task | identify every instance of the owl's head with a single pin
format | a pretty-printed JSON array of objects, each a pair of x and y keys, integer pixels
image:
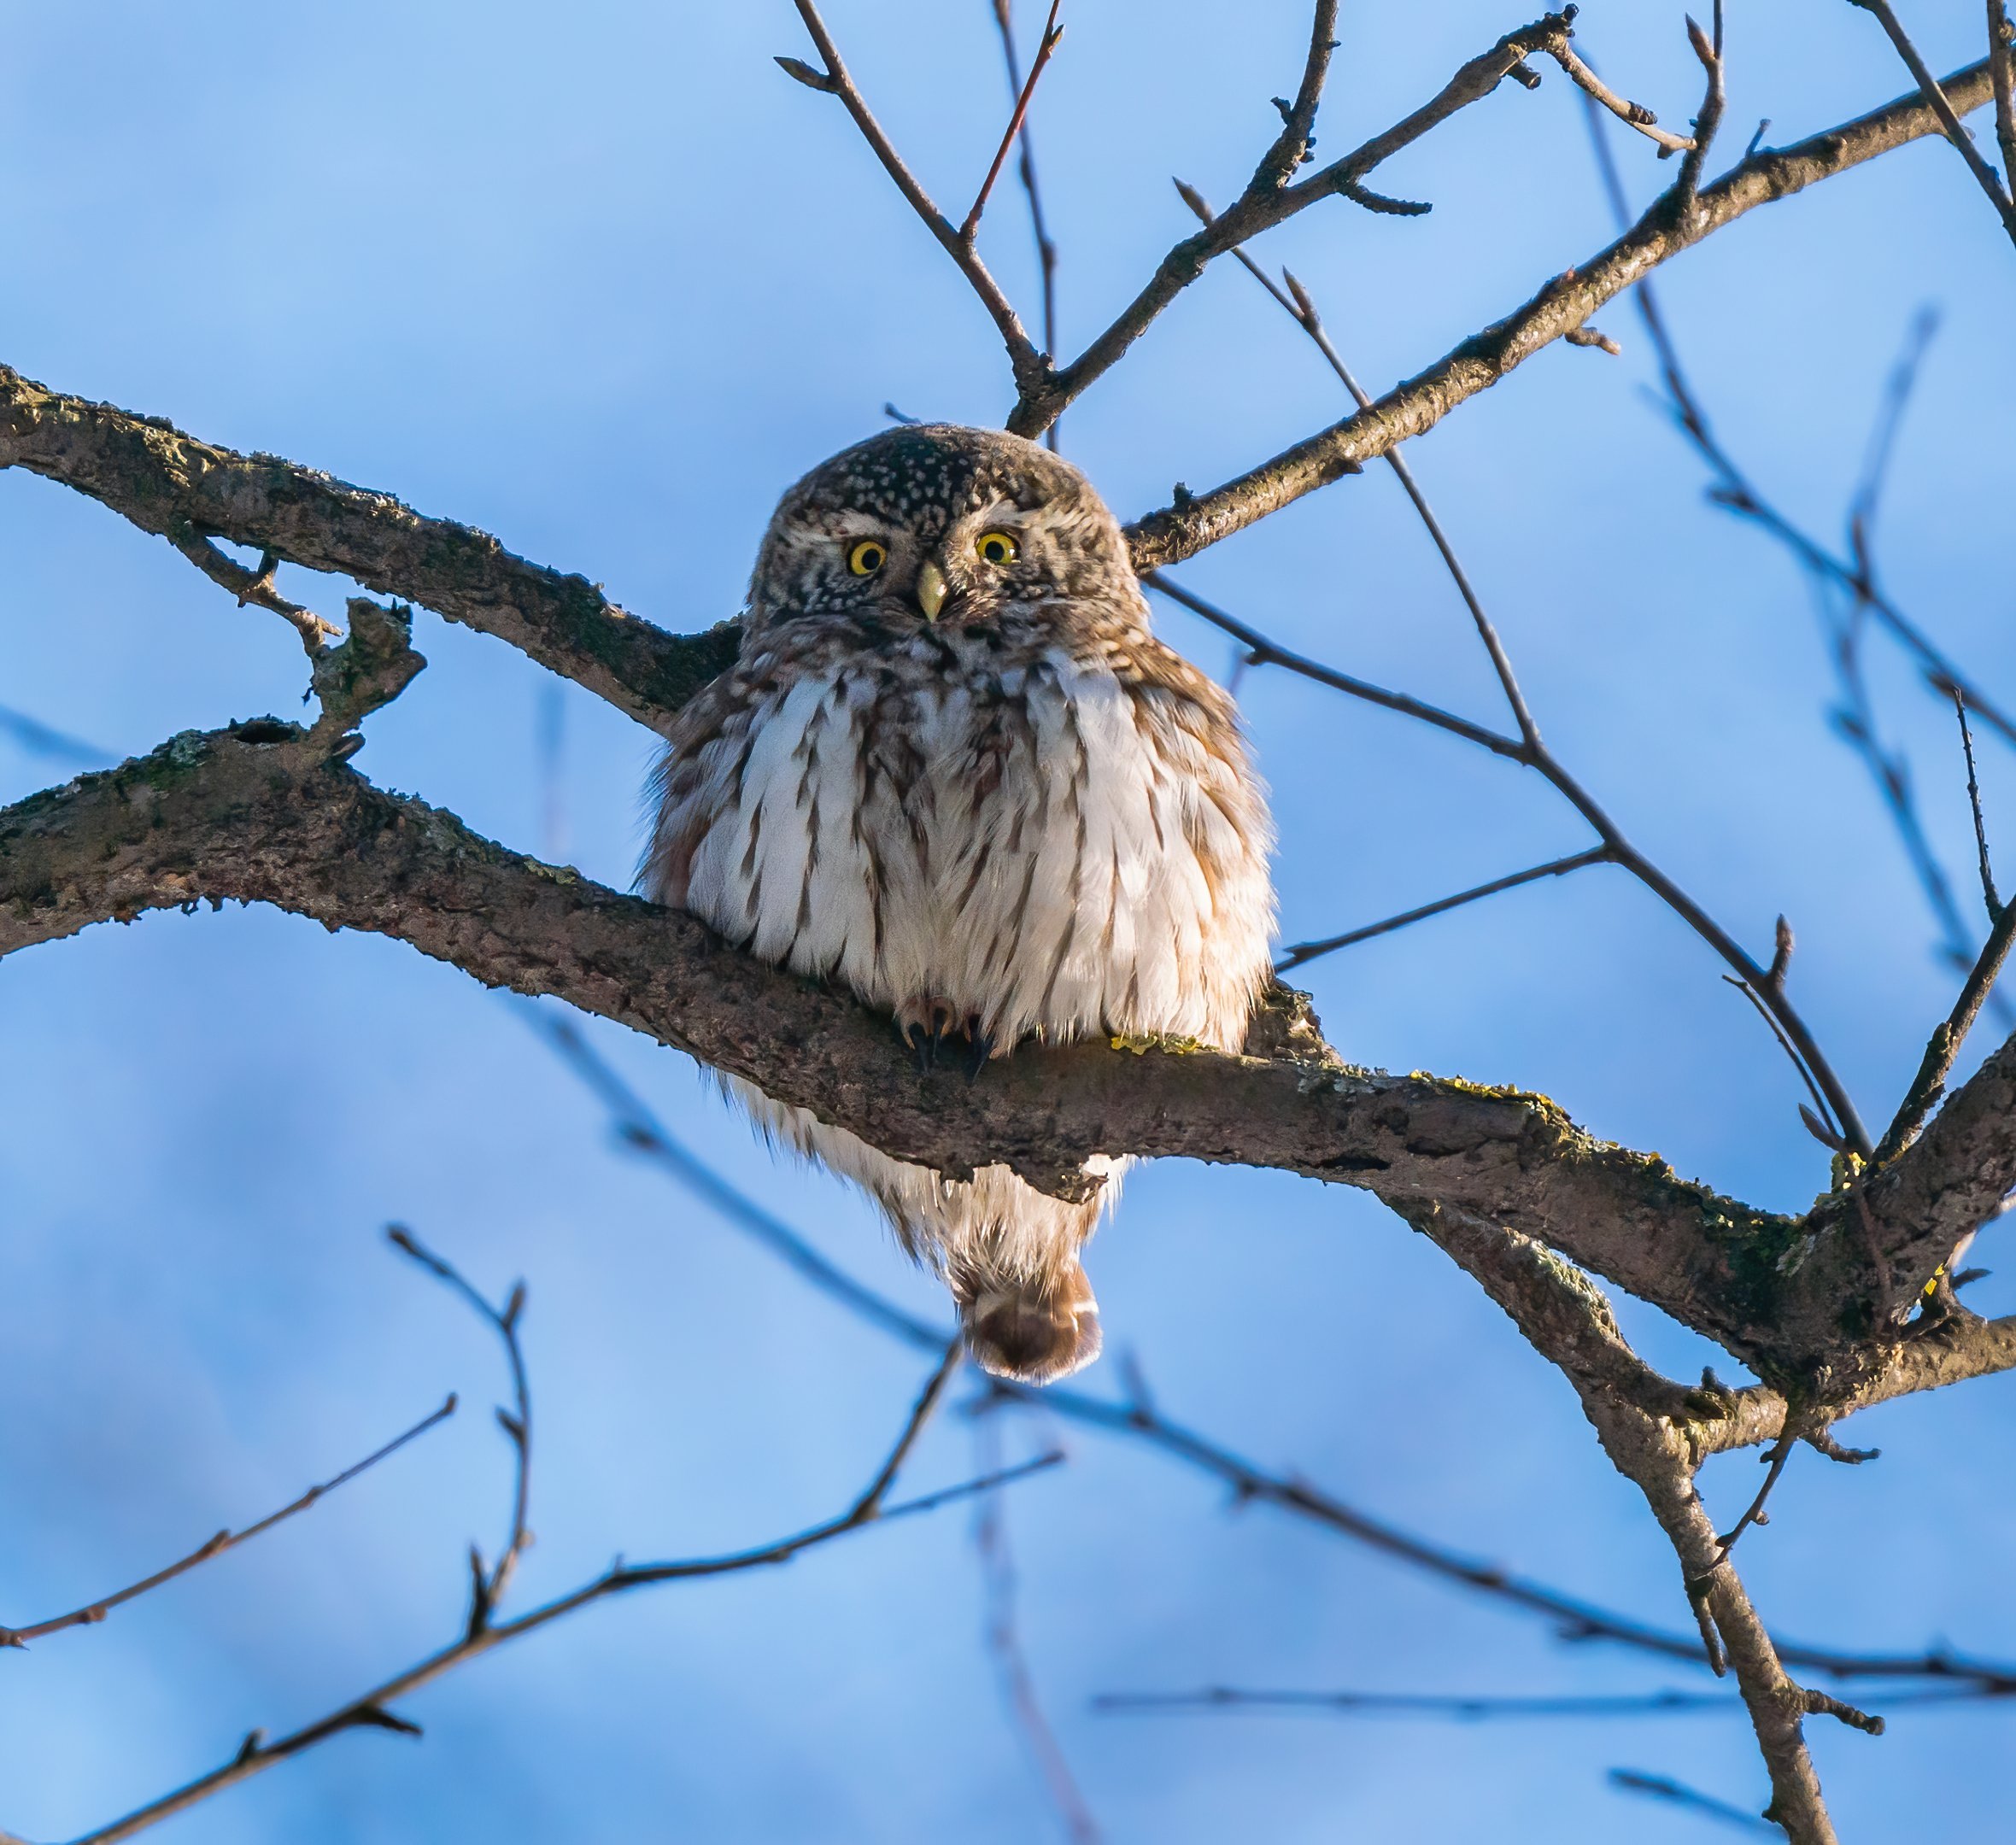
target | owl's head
[{"x": 932, "y": 526}]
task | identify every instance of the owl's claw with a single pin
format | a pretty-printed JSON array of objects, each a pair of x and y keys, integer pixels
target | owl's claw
[
  {"x": 983, "y": 1041},
  {"x": 921, "y": 1024}
]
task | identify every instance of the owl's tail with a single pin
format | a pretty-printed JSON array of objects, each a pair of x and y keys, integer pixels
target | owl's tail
[{"x": 1035, "y": 1329}]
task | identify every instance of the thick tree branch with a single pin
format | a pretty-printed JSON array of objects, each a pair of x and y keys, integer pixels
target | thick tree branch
[
  {"x": 261, "y": 812},
  {"x": 1959, "y": 1347},
  {"x": 1565, "y": 303},
  {"x": 1567, "y": 1321},
  {"x": 188, "y": 491}
]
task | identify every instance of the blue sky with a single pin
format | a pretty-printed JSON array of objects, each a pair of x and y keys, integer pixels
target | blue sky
[{"x": 602, "y": 281}]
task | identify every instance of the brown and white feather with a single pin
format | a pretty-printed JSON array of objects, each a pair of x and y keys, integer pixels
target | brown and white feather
[{"x": 1029, "y": 812}]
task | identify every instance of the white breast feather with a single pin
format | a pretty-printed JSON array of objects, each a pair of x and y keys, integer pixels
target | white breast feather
[{"x": 1112, "y": 879}]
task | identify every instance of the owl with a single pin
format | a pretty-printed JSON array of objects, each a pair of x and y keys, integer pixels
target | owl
[{"x": 953, "y": 772}]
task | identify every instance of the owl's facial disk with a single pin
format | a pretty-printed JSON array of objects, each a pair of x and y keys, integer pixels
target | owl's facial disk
[{"x": 936, "y": 527}]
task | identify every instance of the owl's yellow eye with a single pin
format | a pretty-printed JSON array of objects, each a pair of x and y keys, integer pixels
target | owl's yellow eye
[
  {"x": 997, "y": 547},
  {"x": 867, "y": 557}
]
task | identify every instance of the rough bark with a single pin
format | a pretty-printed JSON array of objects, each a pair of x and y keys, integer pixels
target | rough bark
[{"x": 265, "y": 812}]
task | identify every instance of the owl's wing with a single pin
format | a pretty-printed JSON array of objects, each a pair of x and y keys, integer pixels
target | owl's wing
[{"x": 696, "y": 777}]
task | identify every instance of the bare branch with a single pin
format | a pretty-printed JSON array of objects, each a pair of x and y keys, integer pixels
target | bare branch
[
  {"x": 1297, "y": 303},
  {"x": 1269, "y": 201},
  {"x": 1990, "y": 900},
  {"x": 259, "y": 813},
  {"x": 1709, "y": 51},
  {"x": 1678, "y": 1794},
  {"x": 1712, "y": 1419},
  {"x": 1052, "y": 37},
  {"x": 1949, "y": 122},
  {"x": 1567, "y": 301},
  {"x": 224, "y": 1540},
  {"x": 373, "y": 1709},
  {"x": 1303, "y": 952},
  {"x": 2000, "y": 60},
  {"x": 1262, "y": 652},
  {"x": 487, "y": 1587},
  {"x": 1026, "y": 168},
  {"x": 255, "y": 587},
  {"x": 1535, "y": 755},
  {"x": 1004, "y": 1641},
  {"x": 1291, "y": 146},
  {"x": 1461, "y": 1708},
  {"x": 1944, "y": 1048},
  {"x": 172, "y": 484},
  {"x": 1569, "y": 1323},
  {"x": 1632, "y": 114},
  {"x": 1030, "y": 366}
]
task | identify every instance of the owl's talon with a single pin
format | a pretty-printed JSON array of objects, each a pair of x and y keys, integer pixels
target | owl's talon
[
  {"x": 922, "y": 1025},
  {"x": 983, "y": 1048}
]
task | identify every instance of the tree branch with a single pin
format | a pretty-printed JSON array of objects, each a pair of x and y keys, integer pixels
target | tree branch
[
  {"x": 93, "y": 1612},
  {"x": 1567, "y": 1321},
  {"x": 188, "y": 491},
  {"x": 1715, "y": 1419},
  {"x": 258, "y": 812},
  {"x": 1269, "y": 201},
  {"x": 373, "y": 1709},
  {"x": 1029, "y": 365},
  {"x": 1567, "y": 302},
  {"x": 1997, "y": 189}
]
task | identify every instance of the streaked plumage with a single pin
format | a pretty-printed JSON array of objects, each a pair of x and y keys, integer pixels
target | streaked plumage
[{"x": 1018, "y": 816}]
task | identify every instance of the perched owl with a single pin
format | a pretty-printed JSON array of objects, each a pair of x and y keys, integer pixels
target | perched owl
[{"x": 952, "y": 771}]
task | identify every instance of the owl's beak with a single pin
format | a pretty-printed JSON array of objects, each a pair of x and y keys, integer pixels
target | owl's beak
[{"x": 931, "y": 588}]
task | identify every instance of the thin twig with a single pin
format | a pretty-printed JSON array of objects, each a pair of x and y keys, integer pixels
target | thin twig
[
  {"x": 373, "y": 1710},
  {"x": 1422, "y": 1704},
  {"x": 1774, "y": 1460},
  {"x": 224, "y": 1540},
  {"x": 1632, "y": 114},
  {"x": 2000, "y": 60},
  {"x": 1855, "y": 720},
  {"x": 1709, "y": 49},
  {"x": 1004, "y": 1643},
  {"x": 1944, "y": 1047},
  {"x": 1854, "y": 574},
  {"x": 1038, "y": 225},
  {"x": 1484, "y": 358},
  {"x": 1784, "y": 1043},
  {"x": 1985, "y": 176},
  {"x": 1297, "y": 303},
  {"x": 487, "y": 1587},
  {"x": 1262, "y": 652},
  {"x": 1052, "y": 37},
  {"x": 1678, "y": 1794},
  {"x": 1992, "y": 902},
  {"x": 1291, "y": 147},
  {"x": 1030, "y": 368},
  {"x": 1269, "y": 199},
  {"x": 1735, "y": 493},
  {"x": 1621, "y": 851},
  {"x": 39, "y": 739},
  {"x": 1303, "y": 952}
]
